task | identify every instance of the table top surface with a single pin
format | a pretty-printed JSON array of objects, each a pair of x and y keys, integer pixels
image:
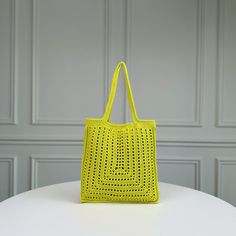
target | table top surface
[{"x": 56, "y": 210}]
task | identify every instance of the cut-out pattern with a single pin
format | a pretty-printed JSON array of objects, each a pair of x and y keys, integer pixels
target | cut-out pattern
[{"x": 119, "y": 164}]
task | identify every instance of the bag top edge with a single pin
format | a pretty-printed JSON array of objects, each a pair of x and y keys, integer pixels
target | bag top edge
[{"x": 100, "y": 120}]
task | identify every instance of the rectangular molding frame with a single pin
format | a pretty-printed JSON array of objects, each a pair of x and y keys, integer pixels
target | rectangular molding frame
[
  {"x": 196, "y": 162},
  {"x": 220, "y": 122},
  {"x": 35, "y": 111},
  {"x": 13, "y": 173},
  {"x": 71, "y": 159},
  {"x": 220, "y": 162},
  {"x": 13, "y": 60},
  {"x": 48, "y": 159},
  {"x": 197, "y": 122}
]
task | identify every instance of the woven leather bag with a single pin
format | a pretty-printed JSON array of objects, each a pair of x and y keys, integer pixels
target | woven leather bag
[{"x": 119, "y": 160}]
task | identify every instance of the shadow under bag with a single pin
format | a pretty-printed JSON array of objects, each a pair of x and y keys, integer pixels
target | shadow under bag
[{"x": 119, "y": 160}]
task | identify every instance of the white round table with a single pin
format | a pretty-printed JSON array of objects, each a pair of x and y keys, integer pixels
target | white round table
[{"x": 56, "y": 210}]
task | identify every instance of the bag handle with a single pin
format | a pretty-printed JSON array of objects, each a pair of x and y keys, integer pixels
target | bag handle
[{"x": 115, "y": 78}]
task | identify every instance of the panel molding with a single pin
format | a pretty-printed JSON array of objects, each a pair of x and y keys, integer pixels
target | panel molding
[
  {"x": 220, "y": 122},
  {"x": 35, "y": 120},
  {"x": 35, "y": 160},
  {"x": 13, "y": 61},
  {"x": 200, "y": 59},
  {"x": 220, "y": 162},
  {"x": 196, "y": 162},
  {"x": 75, "y": 141},
  {"x": 12, "y": 160}
]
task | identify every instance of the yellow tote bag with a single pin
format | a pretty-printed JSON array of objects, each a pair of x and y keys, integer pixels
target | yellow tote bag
[{"x": 119, "y": 160}]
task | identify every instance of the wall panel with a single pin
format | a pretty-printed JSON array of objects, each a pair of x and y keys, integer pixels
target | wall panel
[
  {"x": 7, "y": 63},
  {"x": 168, "y": 69},
  {"x": 226, "y": 186},
  {"x": 181, "y": 171},
  {"x": 226, "y": 96},
  {"x": 51, "y": 170},
  {"x": 69, "y": 66},
  {"x": 8, "y": 178}
]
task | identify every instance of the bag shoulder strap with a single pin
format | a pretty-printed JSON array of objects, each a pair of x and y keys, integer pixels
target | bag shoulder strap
[{"x": 111, "y": 97}]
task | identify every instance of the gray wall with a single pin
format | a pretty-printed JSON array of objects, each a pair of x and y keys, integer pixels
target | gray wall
[{"x": 56, "y": 62}]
